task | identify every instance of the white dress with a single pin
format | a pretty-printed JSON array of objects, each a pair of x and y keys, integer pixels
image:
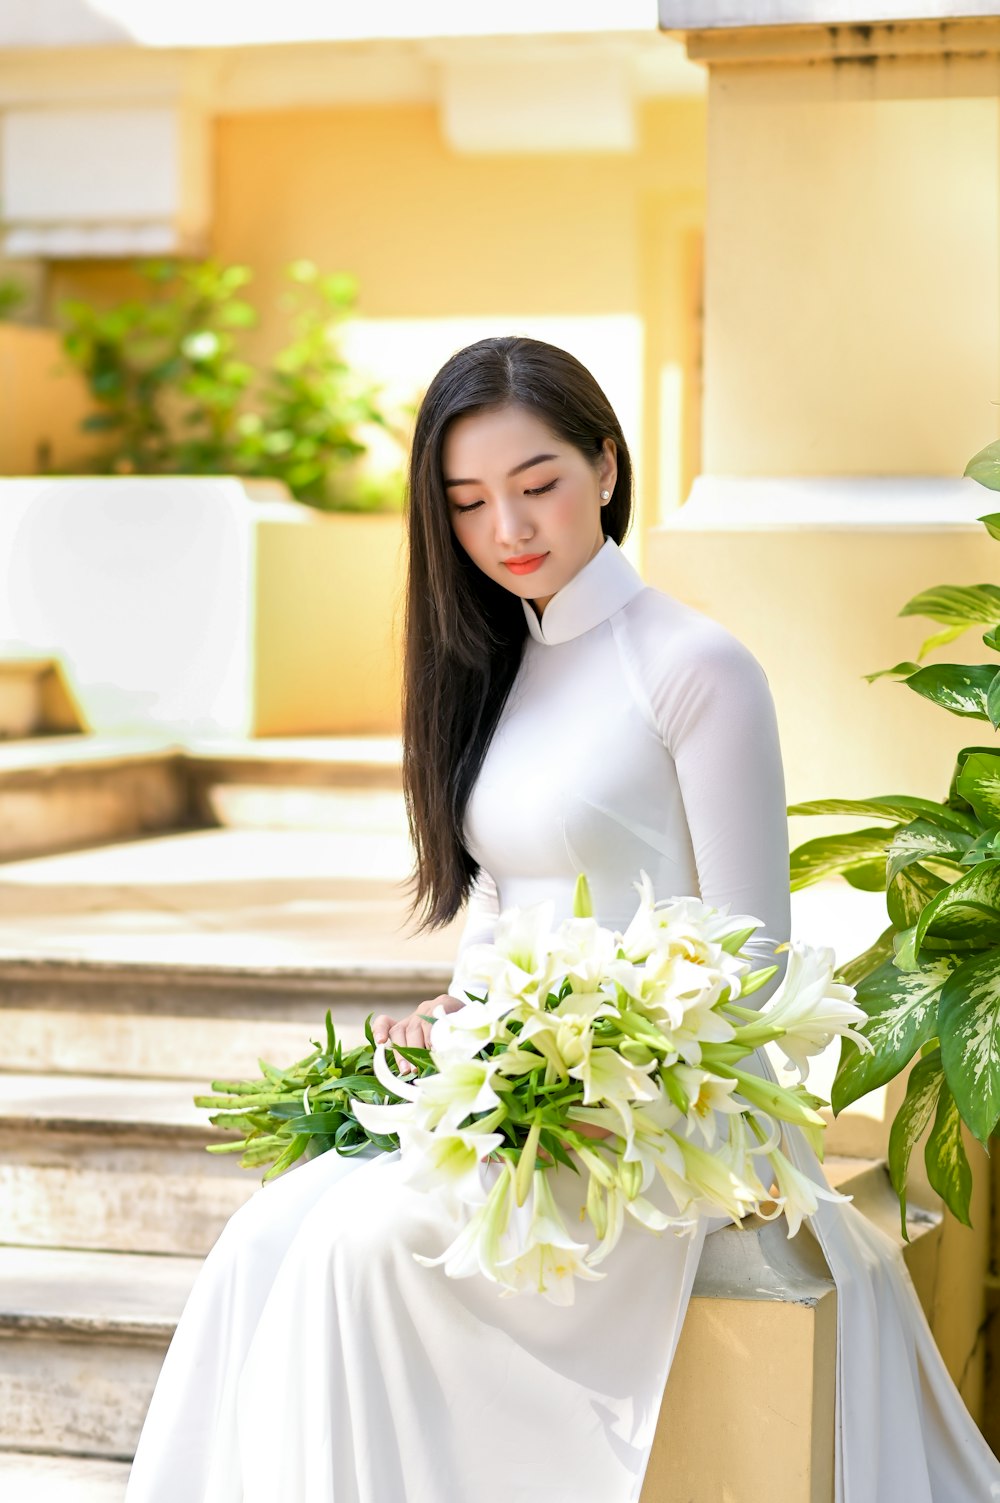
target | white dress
[{"x": 317, "y": 1362}]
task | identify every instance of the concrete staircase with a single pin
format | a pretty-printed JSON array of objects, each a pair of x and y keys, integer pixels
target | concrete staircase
[{"x": 256, "y": 888}]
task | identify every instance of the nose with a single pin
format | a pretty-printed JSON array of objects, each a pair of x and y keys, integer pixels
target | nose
[{"x": 512, "y": 524}]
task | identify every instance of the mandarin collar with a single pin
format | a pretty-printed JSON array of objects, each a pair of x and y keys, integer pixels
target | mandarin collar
[{"x": 605, "y": 584}]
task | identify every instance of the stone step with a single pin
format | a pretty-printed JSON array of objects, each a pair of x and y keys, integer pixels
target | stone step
[
  {"x": 82, "y": 1334},
  {"x": 59, "y": 793},
  {"x": 192, "y": 1022},
  {"x": 97, "y": 1163},
  {"x": 290, "y": 782},
  {"x": 82, "y": 1337},
  {"x": 29, "y": 1478},
  {"x": 36, "y": 699}
]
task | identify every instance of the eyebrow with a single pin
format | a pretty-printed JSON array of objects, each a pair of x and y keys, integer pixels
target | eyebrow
[{"x": 511, "y": 473}]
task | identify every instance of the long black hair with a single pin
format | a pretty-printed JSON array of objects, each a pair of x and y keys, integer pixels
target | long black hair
[{"x": 463, "y": 632}]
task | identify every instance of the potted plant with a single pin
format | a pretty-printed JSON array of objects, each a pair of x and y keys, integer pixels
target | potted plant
[{"x": 930, "y": 983}]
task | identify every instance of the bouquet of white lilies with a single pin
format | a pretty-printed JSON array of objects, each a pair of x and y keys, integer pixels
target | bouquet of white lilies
[{"x": 615, "y": 1055}]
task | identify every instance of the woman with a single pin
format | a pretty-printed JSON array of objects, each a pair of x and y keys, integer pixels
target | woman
[{"x": 559, "y": 716}]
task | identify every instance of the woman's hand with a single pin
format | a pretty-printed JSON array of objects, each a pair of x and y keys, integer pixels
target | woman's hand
[{"x": 413, "y": 1032}]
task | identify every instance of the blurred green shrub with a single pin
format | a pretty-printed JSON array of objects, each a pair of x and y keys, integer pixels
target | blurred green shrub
[{"x": 175, "y": 396}]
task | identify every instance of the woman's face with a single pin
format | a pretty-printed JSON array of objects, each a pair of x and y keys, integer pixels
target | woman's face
[{"x": 515, "y": 490}]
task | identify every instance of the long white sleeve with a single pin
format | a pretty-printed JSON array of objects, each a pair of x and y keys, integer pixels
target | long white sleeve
[{"x": 716, "y": 714}]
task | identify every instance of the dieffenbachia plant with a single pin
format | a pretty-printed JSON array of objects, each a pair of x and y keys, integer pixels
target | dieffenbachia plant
[{"x": 930, "y": 983}]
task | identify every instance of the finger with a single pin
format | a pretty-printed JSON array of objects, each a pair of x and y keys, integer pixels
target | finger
[
  {"x": 380, "y": 1027},
  {"x": 415, "y": 1032},
  {"x": 397, "y": 1034}
]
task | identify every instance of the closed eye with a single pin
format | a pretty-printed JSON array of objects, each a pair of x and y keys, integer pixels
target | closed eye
[{"x": 538, "y": 491}]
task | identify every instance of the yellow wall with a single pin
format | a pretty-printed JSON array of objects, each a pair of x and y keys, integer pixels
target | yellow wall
[
  {"x": 853, "y": 305},
  {"x": 601, "y": 250},
  {"x": 42, "y": 402}
]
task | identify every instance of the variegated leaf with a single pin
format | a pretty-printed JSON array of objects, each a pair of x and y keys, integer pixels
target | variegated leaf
[
  {"x": 978, "y": 783},
  {"x": 829, "y": 855},
  {"x": 960, "y": 688},
  {"x": 900, "y": 807},
  {"x": 902, "y": 1008},
  {"x": 956, "y": 603},
  {"x": 968, "y": 910},
  {"x": 970, "y": 1040},
  {"x": 923, "y": 1089},
  {"x": 947, "y": 1162},
  {"x": 909, "y": 893},
  {"x": 985, "y": 467},
  {"x": 993, "y": 702},
  {"x": 921, "y": 838}
]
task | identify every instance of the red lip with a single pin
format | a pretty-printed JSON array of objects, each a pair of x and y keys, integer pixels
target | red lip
[{"x": 525, "y": 562}]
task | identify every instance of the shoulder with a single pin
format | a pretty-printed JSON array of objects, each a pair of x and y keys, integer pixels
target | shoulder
[
  {"x": 689, "y": 666},
  {"x": 666, "y": 632}
]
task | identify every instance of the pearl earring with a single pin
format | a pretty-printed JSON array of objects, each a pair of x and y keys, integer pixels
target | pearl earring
[{"x": 605, "y": 495}]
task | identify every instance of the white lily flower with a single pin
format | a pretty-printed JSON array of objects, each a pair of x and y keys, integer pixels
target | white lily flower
[
  {"x": 707, "y": 1094},
  {"x": 549, "y": 1259},
  {"x": 738, "y": 1151},
  {"x": 459, "y": 1090},
  {"x": 798, "y": 1195},
  {"x": 568, "y": 1027},
  {"x": 385, "y": 1077},
  {"x": 811, "y": 1008},
  {"x": 517, "y": 966},
  {"x": 701, "y": 1024},
  {"x": 461, "y": 1034},
  {"x": 608, "y": 1076},
  {"x": 581, "y": 949},
  {"x": 711, "y": 1182},
  {"x": 484, "y": 1238},
  {"x": 449, "y": 1162},
  {"x": 685, "y": 924},
  {"x": 386, "y": 1117}
]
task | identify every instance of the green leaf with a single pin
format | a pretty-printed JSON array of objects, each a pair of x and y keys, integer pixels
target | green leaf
[
  {"x": 956, "y": 604},
  {"x": 992, "y": 519},
  {"x": 922, "y": 838},
  {"x": 909, "y": 893},
  {"x": 947, "y": 1163},
  {"x": 967, "y": 910},
  {"x": 900, "y": 670},
  {"x": 902, "y": 1008},
  {"x": 990, "y": 638},
  {"x": 868, "y": 876},
  {"x": 899, "y": 807},
  {"x": 978, "y": 782},
  {"x": 960, "y": 688},
  {"x": 327, "y": 1122},
  {"x": 287, "y": 1158},
  {"x": 984, "y": 467},
  {"x": 830, "y": 855},
  {"x": 941, "y": 639},
  {"x": 993, "y": 702},
  {"x": 923, "y": 1089},
  {"x": 970, "y": 1041}
]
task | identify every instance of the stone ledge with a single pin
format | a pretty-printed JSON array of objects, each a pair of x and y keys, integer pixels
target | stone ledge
[{"x": 27, "y": 1477}]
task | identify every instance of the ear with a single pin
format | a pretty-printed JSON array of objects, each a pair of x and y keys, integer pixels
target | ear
[{"x": 608, "y": 467}]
